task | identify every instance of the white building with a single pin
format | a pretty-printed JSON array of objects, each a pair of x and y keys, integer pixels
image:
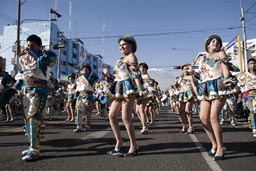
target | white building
[{"x": 72, "y": 51}]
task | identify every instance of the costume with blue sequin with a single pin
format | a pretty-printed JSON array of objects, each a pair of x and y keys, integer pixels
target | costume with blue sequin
[
  {"x": 186, "y": 92},
  {"x": 33, "y": 81},
  {"x": 247, "y": 83},
  {"x": 211, "y": 86},
  {"x": 124, "y": 85},
  {"x": 85, "y": 100}
]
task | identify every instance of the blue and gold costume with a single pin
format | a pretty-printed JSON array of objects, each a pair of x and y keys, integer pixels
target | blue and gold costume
[
  {"x": 211, "y": 85},
  {"x": 71, "y": 88},
  {"x": 149, "y": 83},
  {"x": 229, "y": 110},
  {"x": 124, "y": 85},
  {"x": 85, "y": 100},
  {"x": 247, "y": 83},
  {"x": 33, "y": 80},
  {"x": 101, "y": 97},
  {"x": 173, "y": 93},
  {"x": 186, "y": 92}
]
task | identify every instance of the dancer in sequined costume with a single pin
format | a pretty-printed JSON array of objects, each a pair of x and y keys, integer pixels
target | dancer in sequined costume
[
  {"x": 215, "y": 82},
  {"x": 33, "y": 80},
  {"x": 124, "y": 90},
  {"x": 85, "y": 99}
]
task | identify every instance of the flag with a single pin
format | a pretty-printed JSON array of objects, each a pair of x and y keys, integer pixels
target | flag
[{"x": 52, "y": 11}]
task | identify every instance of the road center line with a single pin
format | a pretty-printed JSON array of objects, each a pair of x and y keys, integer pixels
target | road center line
[{"x": 211, "y": 163}]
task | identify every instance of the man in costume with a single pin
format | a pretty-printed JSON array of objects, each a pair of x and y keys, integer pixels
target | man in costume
[
  {"x": 33, "y": 80},
  {"x": 85, "y": 99}
]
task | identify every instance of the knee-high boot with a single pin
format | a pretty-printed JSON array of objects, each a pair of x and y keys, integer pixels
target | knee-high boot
[
  {"x": 88, "y": 111},
  {"x": 80, "y": 106},
  {"x": 32, "y": 128}
]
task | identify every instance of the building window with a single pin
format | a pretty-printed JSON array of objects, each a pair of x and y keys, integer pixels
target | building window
[
  {"x": 74, "y": 46},
  {"x": 74, "y": 55},
  {"x": 64, "y": 63}
]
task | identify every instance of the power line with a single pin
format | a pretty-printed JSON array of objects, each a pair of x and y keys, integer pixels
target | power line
[
  {"x": 46, "y": 6},
  {"x": 247, "y": 11},
  {"x": 164, "y": 33},
  {"x": 251, "y": 18},
  {"x": 7, "y": 18},
  {"x": 250, "y": 7},
  {"x": 5, "y": 49},
  {"x": 250, "y": 13}
]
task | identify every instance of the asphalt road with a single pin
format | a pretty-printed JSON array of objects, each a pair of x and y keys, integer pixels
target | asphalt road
[{"x": 164, "y": 148}]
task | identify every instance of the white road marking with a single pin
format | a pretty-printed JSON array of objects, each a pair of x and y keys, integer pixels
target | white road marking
[{"x": 211, "y": 163}]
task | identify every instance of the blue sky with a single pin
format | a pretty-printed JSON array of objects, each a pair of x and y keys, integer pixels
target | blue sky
[{"x": 159, "y": 26}]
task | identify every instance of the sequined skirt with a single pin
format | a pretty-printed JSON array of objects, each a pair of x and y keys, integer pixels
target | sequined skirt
[
  {"x": 185, "y": 96},
  {"x": 214, "y": 89},
  {"x": 123, "y": 89}
]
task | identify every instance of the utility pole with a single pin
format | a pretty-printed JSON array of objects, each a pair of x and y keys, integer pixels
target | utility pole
[
  {"x": 18, "y": 40},
  {"x": 69, "y": 19},
  {"x": 59, "y": 46},
  {"x": 242, "y": 19},
  {"x": 103, "y": 39}
]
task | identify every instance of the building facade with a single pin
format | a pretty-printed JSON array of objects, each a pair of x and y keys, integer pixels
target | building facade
[{"x": 69, "y": 51}]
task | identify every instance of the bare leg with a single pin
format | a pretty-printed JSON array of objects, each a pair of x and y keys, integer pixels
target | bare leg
[
  {"x": 71, "y": 112},
  {"x": 127, "y": 107},
  {"x": 140, "y": 110},
  {"x": 205, "y": 119},
  {"x": 97, "y": 105},
  {"x": 217, "y": 130},
  {"x": 177, "y": 106},
  {"x": 151, "y": 114},
  {"x": 68, "y": 107},
  {"x": 188, "y": 112},
  {"x": 113, "y": 119},
  {"x": 7, "y": 111},
  {"x": 183, "y": 116},
  {"x": 9, "y": 108},
  {"x": 147, "y": 114}
]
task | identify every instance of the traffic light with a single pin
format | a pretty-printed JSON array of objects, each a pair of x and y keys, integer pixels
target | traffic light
[{"x": 177, "y": 67}]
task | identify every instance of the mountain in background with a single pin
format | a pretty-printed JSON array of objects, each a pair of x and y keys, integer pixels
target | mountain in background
[{"x": 164, "y": 78}]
